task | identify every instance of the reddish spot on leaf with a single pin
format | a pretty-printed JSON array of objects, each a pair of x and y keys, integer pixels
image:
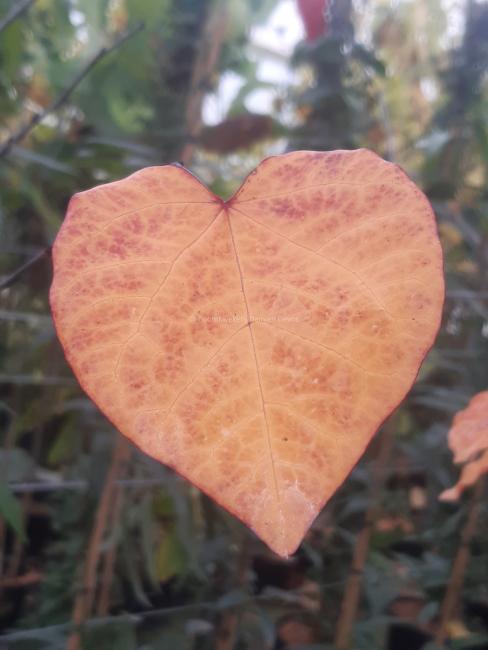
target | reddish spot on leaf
[
  {"x": 468, "y": 440},
  {"x": 254, "y": 345}
]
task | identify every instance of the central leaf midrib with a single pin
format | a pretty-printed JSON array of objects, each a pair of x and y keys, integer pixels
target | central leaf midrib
[{"x": 249, "y": 323}]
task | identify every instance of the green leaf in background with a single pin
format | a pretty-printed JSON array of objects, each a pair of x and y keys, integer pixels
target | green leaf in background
[
  {"x": 63, "y": 447},
  {"x": 170, "y": 558},
  {"x": 11, "y": 510},
  {"x": 119, "y": 634}
]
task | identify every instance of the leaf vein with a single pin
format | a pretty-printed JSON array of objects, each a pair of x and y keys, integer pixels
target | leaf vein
[
  {"x": 161, "y": 285},
  {"x": 268, "y": 435},
  {"x": 311, "y": 187},
  {"x": 313, "y": 252}
]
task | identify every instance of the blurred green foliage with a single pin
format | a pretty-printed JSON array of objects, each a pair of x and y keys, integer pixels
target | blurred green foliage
[{"x": 389, "y": 76}]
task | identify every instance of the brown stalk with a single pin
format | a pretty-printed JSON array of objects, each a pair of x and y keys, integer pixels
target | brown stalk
[
  {"x": 352, "y": 590},
  {"x": 108, "y": 560},
  {"x": 206, "y": 60},
  {"x": 226, "y": 631},
  {"x": 32, "y": 577},
  {"x": 456, "y": 579},
  {"x": 84, "y": 600}
]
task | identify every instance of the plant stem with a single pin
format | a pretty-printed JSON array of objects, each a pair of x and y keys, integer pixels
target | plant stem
[
  {"x": 109, "y": 557},
  {"x": 84, "y": 600},
  {"x": 460, "y": 563},
  {"x": 28, "y": 579},
  {"x": 352, "y": 590},
  {"x": 14, "y": 276}
]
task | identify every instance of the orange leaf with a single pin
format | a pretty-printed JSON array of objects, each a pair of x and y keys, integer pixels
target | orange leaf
[
  {"x": 254, "y": 345},
  {"x": 468, "y": 437},
  {"x": 470, "y": 473},
  {"x": 469, "y": 432}
]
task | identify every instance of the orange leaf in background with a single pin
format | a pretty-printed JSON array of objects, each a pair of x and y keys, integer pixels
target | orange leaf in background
[
  {"x": 470, "y": 473},
  {"x": 468, "y": 437},
  {"x": 469, "y": 432},
  {"x": 254, "y": 345}
]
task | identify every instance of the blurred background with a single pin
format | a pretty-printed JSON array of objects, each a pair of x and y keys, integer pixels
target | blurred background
[{"x": 102, "y": 536}]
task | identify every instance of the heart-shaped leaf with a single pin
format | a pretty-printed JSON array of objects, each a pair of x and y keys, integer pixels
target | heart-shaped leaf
[
  {"x": 254, "y": 345},
  {"x": 468, "y": 440}
]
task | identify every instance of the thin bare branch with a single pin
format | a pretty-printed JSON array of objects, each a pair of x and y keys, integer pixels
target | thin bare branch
[
  {"x": 460, "y": 563},
  {"x": 16, "y": 9},
  {"x": 352, "y": 591},
  {"x": 15, "y": 275},
  {"x": 24, "y": 130},
  {"x": 28, "y": 579},
  {"x": 154, "y": 614},
  {"x": 108, "y": 561},
  {"x": 81, "y": 486},
  {"x": 34, "y": 380},
  {"x": 84, "y": 599}
]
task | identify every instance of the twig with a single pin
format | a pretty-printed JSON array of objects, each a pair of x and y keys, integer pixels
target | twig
[
  {"x": 28, "y": 579},
  {"x": 16, "y": 9},
  {"x": 106, "y": 581},
  {"x": 460, "y": 563},
  {"x": 84, "y": 600},
  {"x": 109, "y": 557},
  {"x": 14, "y": 276},
  {"x": 32, "y": 319},
  {"x": 139, "y": 618},
  {"x": 53, "y": 486},
  {"x": 352, "y": 591},
  {"x": 19, "y": 135},
  {"x": 34, "y": 380}
]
